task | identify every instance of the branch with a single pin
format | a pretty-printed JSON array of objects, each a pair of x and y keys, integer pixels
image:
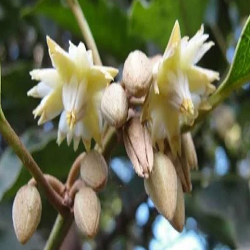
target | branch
[
  {"x": 62, "y": 224},
  {"x": 84, "y": 27},
  {"x": 29, "y": 163}
]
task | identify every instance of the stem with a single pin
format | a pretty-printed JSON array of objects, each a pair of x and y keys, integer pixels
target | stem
[
  {"x": 74, "y": 171},
  {"x": 54, "y": 183},
  {"x": 13, "y": 140},
  {"x": 60, "y": 230},
  {"x": 75, "y": 188},
  {"x": 62, "y": 224},
  {"x": 84, "y": 27}
]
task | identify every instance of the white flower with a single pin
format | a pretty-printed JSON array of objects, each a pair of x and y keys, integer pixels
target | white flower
[
  {"x": 73, "y": 88},
  {"x": 180, "y": 88}
]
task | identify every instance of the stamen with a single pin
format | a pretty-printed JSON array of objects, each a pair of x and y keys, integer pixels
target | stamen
[
  {"x": 71, "y": 119},
  {"x": 187, "y": 107}
]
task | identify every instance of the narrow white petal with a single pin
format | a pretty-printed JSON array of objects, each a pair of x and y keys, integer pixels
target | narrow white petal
[
  {"x": 203, "y": 49},
  {"x": 60, "y": 137},
  {"x": 63, "y": 126},
  {"x": 50, "y": 77},
  {"x": 72, "y": 51},
  {"x": 69, "y": 137},
  {"x": 193, "y": 50},
  {"x": 76, "y": 142},
  {"x": 69, "y": 94},
  {"x": 90, "y": 57},
  {"x": 40, "y": 90}
]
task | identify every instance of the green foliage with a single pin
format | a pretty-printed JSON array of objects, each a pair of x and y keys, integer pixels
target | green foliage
[
  {"x": 107, "y": 22},
  {"x": 239, "y": 72},
  {"x": 155, "y": 20}
]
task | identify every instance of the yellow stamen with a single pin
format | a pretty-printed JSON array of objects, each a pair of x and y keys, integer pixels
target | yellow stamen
[
  {"x": 187, "y": 107},
  {"x": 71, "y": 119}
]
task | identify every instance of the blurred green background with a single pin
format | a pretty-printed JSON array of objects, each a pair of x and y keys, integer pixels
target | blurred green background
[{"x": 217, "y": 211}]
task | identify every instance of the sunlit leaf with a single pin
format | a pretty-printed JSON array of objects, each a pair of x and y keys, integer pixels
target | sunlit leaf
[{"x": 239, "y": 72}]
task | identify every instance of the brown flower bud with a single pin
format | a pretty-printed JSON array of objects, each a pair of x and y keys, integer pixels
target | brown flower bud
[
  {"x": 87, "y": 210},
  {"x": 189, "y": 151},
  {"x": 26, "y": 212},
  {"x": 114, "y": 105},
  {"x": 138, "y": 146},
  {"x": 137, "y": 73},
  {"x": 179, "y": 217},
  {"x": 94, "y": 170},
  {"x": 161, "y": 186},
  {"x": 183, "y": 172}
]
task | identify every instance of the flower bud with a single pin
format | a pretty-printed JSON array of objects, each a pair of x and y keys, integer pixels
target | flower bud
[
  {"x": 26, "y": 212},
  {"x": 189, "y": 151},
  {"x": 114, "y": 105},
  {"x": 87, "y": 210},
  {"x": 183, "y": 172},
  {"x": 94, "y": 170},
  {"x": 179, "y": 217},
  {"x": 138, "y": 146},
  {"x": 137, "y": 73},
  {"x": 161, "y": 186}
]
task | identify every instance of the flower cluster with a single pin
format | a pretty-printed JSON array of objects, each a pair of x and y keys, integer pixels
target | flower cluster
[
  {"x": 155, "y": 98},
  {"x": 179, "y": 89},
  {"x": 73, "y": 88}
]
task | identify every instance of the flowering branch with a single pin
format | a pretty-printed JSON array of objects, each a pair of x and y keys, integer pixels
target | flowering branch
[
  {"x": 84, "y": 27},
  {"x": 62, "y": 224}
]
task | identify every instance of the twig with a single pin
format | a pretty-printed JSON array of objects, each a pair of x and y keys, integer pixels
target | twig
[
  {"x": 84, "y": 27},
  {"x": 62, "y": 224},
  {"x": 59, "y": 231},
  {"x": 74, "y": 171},
  {"x": 29, "y": 163},
  {"x": 53, "y": 181},
  {"x": 75, "y": 188}
]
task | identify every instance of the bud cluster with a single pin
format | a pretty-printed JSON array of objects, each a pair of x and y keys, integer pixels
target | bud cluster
[
  {"x": 153, "y": 100},
  {"x": 87, "y": 207}
]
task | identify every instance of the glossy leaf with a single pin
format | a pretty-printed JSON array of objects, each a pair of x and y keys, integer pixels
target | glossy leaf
[{"x": 239, "y": 72}]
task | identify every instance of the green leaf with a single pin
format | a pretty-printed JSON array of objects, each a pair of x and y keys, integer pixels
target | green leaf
[
  {"x": 155, "y": 21},
  {"x": 239, "y": 72},
  {"x": 107, "y": 22}
]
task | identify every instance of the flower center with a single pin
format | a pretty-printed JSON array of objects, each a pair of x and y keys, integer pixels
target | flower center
[
  {"x": 187, "y": 107},
  {"x": 71, "y": 119}
]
